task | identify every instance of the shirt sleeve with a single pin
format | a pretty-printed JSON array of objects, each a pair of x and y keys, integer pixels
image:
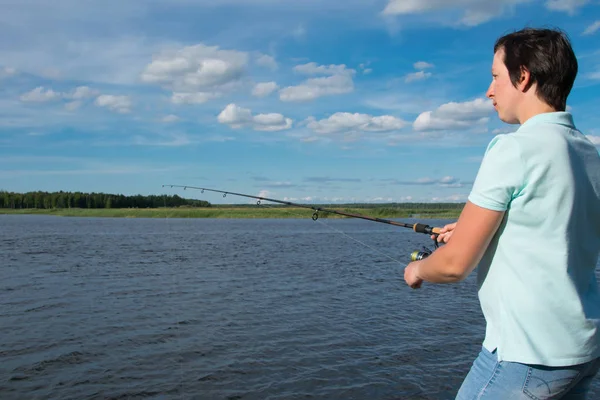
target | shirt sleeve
[{"x": 501, "y": 175}]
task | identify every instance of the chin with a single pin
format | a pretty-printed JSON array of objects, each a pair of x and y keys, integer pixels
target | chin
[{"x": 508, "y": 119}]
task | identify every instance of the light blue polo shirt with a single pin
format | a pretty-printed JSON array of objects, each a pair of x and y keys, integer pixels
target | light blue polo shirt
[{"x": 537, "y": 283}]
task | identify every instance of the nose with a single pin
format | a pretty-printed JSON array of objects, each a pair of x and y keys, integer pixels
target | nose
[{"x": 490, "y": 92}]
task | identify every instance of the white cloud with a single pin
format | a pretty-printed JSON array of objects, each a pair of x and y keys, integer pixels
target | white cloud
[
  {"x": 264, "y": 89},
  {"x": 348, "y": 122},
  {"x": 263, "y": 193},
  {"x": 108, "y": 170},
  {"x": 119, "y": 54},
  {"x": 448, "y": 180},
  {"x": 286, "y": 184},
  {"x": 196, "y": 73},
  {"x": 338, "y": 81},
  {"x": 455, "y": 198},
  {"x": 428, "y": 121},
  {"x": 81, "y": 92},
  {"x": 317, "y": 87},
  {"x": 403, "y": 101},
  {"x": 453, "y": 115},
  {"x": 267, "y": 62},
  {"x": 120, "y": 104},
  {"x": 73, "y": 105},
  {"x": 50, "y": 73},
  {"x": 313, "y": 69},
  {"x": 76, "y": 96},
  {"x": 59, "y": 49},
  {"x": 568, "y": 6},
  {"x": 475, "y": 11},
  {"x": 475, "y": 159},
  {"x": 237, "y": 117},
  {"x": 170, "y": 118},
  {"x": 594, "y": 139},
  {"x": 395, "y": 7},
  {"x": 299, "y": 32},
  {"x": 377, "y": 199},
  {"x": 39, "y": 95},
  {"x": 6, "y": 72},
  {"x": 193, "y": 98},
  {"x": 470, "y": 109},
  {"x": 592, "y": 28},
  {"x": 445, "y": 182},
  {"x": 271, "y": 122},
  {"x": 422, "y": 65},
  {"x": 499, "y": 131},
  {"x": 417, "y": 76},
  {"x": 594, "y": 75},
  {"x": 364, "y": 69},
  {"x": 171, "y": 140}
]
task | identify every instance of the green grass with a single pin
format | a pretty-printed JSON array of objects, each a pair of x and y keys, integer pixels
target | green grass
[{"x": 235, "y": 212}]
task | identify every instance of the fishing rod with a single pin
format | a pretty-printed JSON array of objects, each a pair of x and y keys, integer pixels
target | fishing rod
[{"x": 418, "y": 227}]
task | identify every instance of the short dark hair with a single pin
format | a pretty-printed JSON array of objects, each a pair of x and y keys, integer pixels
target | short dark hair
[{"x": 548, "y": 56}]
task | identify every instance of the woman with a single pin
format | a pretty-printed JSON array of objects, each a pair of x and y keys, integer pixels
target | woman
[{"x": 532, "y": 227}]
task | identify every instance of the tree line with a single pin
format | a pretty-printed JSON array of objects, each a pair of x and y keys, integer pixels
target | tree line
[
  {"x": 384, "y": 207},
  {"x": 47, "y": 200}
]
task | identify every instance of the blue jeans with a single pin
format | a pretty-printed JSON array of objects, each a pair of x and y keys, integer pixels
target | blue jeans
[{"x": 490, "y": 379}]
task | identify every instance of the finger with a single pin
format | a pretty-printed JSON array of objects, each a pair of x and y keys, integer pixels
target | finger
[
  {"x": 449, "y": 227},
  {"x": 442, "y": 238}
]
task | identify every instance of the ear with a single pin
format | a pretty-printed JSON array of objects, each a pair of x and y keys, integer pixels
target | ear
[{"x": 524, "y": 82}]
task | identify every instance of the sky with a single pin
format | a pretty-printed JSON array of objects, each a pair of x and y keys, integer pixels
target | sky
[{"x": 309, "y": 101}]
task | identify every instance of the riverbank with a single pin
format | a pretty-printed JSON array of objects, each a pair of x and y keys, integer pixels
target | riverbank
[{"x": 234, "y": 212}]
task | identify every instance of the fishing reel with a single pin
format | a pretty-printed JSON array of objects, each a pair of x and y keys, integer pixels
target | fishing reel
[{"x": 421, "y": 254}]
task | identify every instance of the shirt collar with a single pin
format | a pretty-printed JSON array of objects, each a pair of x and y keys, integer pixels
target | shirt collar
[{"x": 558, "y": 117}]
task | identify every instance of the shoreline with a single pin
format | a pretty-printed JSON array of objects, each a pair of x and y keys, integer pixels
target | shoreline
[{"x": 234, "y": 212}]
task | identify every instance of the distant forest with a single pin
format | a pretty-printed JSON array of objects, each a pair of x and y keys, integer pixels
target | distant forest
[
  {"x": 50, "y": 200},
  {"x": 46, "y": 200}
]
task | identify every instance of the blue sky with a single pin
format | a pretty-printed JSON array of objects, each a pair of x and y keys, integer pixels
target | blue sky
[{"x": 309, "y": 101}]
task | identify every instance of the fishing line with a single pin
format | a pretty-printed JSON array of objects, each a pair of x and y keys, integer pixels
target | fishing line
[
  {"x": 341, "y": 232},
  {"x": 417, "y": 227}
]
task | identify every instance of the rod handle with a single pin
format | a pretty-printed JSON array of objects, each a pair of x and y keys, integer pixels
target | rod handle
[{"x": 422, "y": 228}]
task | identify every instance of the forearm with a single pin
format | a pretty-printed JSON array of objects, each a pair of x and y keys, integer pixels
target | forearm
[
  {"x": 471, "y": 236},
  {"x": 440, "y": 267}
]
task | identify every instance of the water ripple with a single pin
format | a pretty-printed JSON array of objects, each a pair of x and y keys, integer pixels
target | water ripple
[{"x": 225, "y": 309}]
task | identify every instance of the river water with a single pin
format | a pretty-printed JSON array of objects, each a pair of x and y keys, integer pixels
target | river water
[{"x": 115, "y": 308}]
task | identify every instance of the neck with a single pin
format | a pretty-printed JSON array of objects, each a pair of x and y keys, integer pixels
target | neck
[{"x": 531, "y": 110}]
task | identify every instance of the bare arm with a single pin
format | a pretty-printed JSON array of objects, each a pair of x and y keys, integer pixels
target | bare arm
[{"x": 471, "y": 236}]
